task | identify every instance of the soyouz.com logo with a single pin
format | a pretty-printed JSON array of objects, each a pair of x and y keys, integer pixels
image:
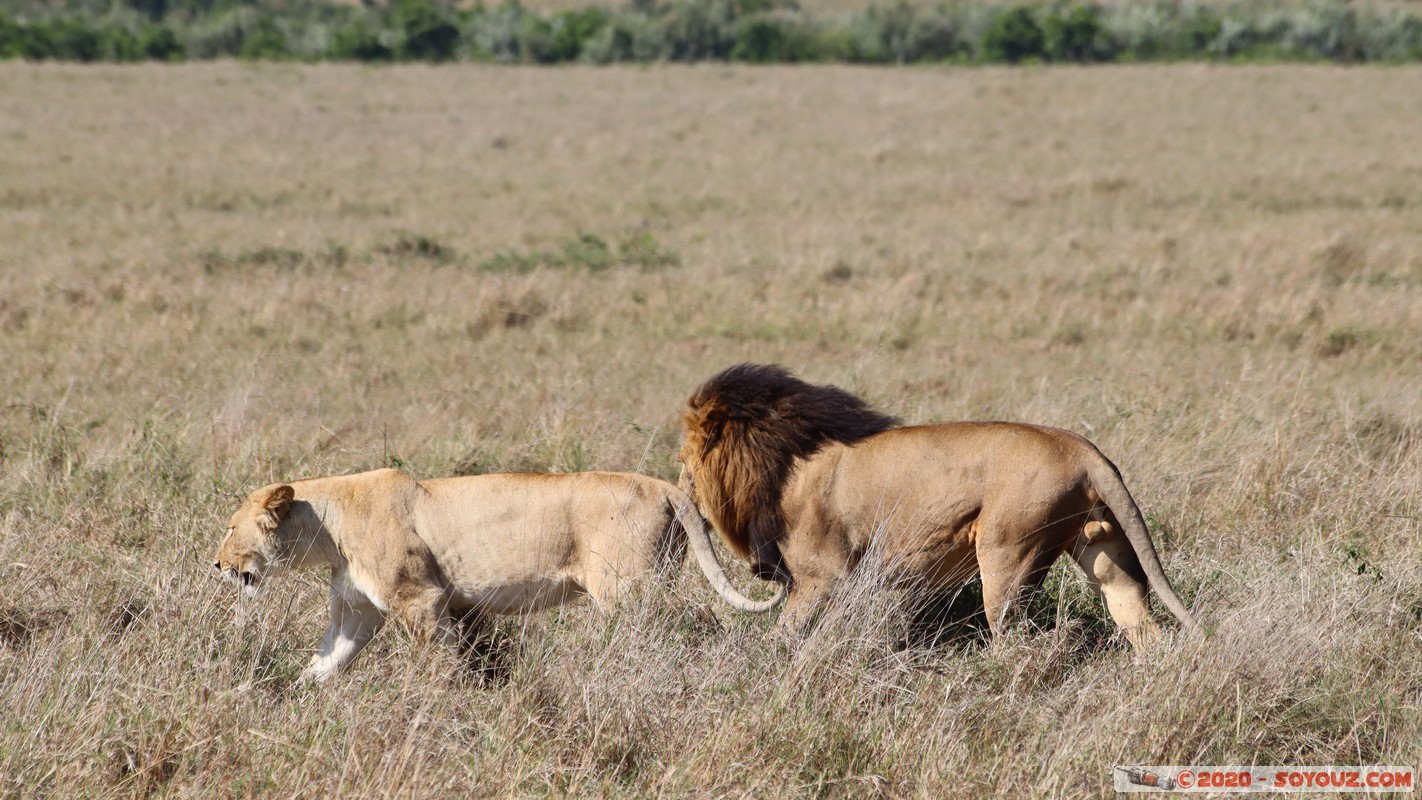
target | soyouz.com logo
[{"x": 1176, "y": 778}]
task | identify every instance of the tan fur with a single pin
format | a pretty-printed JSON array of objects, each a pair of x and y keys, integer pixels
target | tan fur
[
  {"x": 432, "y": 551},
  {"x": 937, "y": 503}
]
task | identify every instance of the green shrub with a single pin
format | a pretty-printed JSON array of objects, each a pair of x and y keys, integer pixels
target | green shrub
[
  {"x": 1148, "y": 32},
  {"x": 357, "y": 40},
  {"x": 934, "y": 36},
  {"x": 627, "y": 37},
  {"x": 760, "y": 40},
  {"x": 756, "y": 31},
  {"x": 495, "y": 34},
  {"x": 64, "y": 39},
  {"x": 773, "y": 37},
  {"x": 38, "y": 42},
  {"x": 219, "y": 35},
  {"x": 880, "y": 35},
  {"x": 160, "y": 43},
  {"x": 1076, "y": 35},
  {"x": 154, "y": 10},
  {"x": 1013, "y": 36},
  {"x": 117, "y": 43},
  {"x": 10, "y": 37},
  {"x": 429, "y": 34},
  {"x": 534, "y": 40},
  {"x": 1396, "y": 36},
  {"x": 1327, "y": 32},
  {"x": 568, "y": 33},
  {"x": 1199, "y": 33},
  {"x": 264, "y": 41},
  {"x": 903, "y": 33},
  {"x": 692, "y": 30},
  {"x": 1239, "y": 37}
]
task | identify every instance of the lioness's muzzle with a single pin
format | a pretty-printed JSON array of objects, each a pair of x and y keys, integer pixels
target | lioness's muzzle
[{"x": 247, "y": 579}]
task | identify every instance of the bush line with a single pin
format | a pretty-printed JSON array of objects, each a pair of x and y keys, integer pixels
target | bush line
[{"x": 752, "y": 31}]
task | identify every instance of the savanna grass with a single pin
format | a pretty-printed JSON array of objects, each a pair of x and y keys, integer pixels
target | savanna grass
[{"x": 219, "y": 275}]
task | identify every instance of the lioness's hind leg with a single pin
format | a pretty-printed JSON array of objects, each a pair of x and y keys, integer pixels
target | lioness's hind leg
[
  {"x": 427, "y": 614},
  {"x": 1115, "y": 573}
]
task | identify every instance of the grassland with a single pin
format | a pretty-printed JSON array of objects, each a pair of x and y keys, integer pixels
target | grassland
[{"x": 213, "y": 276}]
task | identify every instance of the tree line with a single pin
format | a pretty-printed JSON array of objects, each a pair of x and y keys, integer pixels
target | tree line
[{"x": 754, "y": 31}]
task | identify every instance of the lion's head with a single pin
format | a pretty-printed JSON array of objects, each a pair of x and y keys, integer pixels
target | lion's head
[
  {"x": 745, "y": 427},
  {"x": 252, "y": 550}
]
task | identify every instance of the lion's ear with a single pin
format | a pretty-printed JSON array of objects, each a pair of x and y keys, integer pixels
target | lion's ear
[
  {"x": 712, "y": 425},
  {"x": 279, "y": 501}
]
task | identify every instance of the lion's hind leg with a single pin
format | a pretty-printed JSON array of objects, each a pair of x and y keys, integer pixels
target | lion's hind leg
[
  {"x": 1114, "y": 571},
  {"x": 1013, "y": 565}
]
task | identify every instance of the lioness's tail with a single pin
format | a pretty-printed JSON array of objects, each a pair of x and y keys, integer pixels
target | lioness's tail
[
  {"x": 1112, "y": 490},
  {"x": 700, "y": 540}
]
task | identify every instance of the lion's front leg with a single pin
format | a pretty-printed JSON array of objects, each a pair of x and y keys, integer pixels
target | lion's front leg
[{"x": 351, "y": 628}]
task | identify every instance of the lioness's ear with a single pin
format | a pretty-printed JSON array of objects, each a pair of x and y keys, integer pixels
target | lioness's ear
[{"x": 279, "y": 501}]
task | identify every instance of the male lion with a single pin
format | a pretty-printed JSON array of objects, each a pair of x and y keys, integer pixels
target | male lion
[
  {"x": 435, "y": 551},
  {"x": 801, "y": 480}
]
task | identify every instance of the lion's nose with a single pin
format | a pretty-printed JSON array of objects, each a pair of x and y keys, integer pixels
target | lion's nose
[{"x": 217, "y": 565}]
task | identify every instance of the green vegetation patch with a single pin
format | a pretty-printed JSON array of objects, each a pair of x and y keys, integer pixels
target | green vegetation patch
[
  {"x": 588, "y": 252},
  {"x": 753, "y": 31}
]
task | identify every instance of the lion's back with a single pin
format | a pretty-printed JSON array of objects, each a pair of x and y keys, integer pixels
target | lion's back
[{"x": 969, "y": 463}]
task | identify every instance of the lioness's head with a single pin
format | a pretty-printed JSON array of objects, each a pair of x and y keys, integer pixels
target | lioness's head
[{"x": 252, "y": 550}]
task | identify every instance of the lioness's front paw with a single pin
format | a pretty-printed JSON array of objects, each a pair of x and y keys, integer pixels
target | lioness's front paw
[{"x": 318, "y": 672}]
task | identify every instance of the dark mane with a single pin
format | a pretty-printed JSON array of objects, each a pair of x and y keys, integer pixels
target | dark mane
[{"x": 745, "y": 428}]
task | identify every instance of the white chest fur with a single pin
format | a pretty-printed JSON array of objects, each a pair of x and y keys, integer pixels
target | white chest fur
[{"x": 357, "y": 589}]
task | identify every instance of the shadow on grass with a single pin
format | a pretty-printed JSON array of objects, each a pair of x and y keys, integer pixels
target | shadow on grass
[
  {"x": 954, "y": 619},
  {"x": 489, "y": 649}
]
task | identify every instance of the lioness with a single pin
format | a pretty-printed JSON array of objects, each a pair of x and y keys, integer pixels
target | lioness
[
  {"x": 429, "y": 551},
  {"x": 802, "y": 480}
]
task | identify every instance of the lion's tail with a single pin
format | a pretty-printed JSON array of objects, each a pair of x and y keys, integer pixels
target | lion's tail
[
  {"x": 700, "y": 540},
  {"x": 1112, "y": 490}
]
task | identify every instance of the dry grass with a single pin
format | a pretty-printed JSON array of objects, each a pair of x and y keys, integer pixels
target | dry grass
[{"x": 215, "y": 275}]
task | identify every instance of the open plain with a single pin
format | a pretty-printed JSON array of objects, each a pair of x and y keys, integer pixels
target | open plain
[{"x": 213, "y": 276}]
